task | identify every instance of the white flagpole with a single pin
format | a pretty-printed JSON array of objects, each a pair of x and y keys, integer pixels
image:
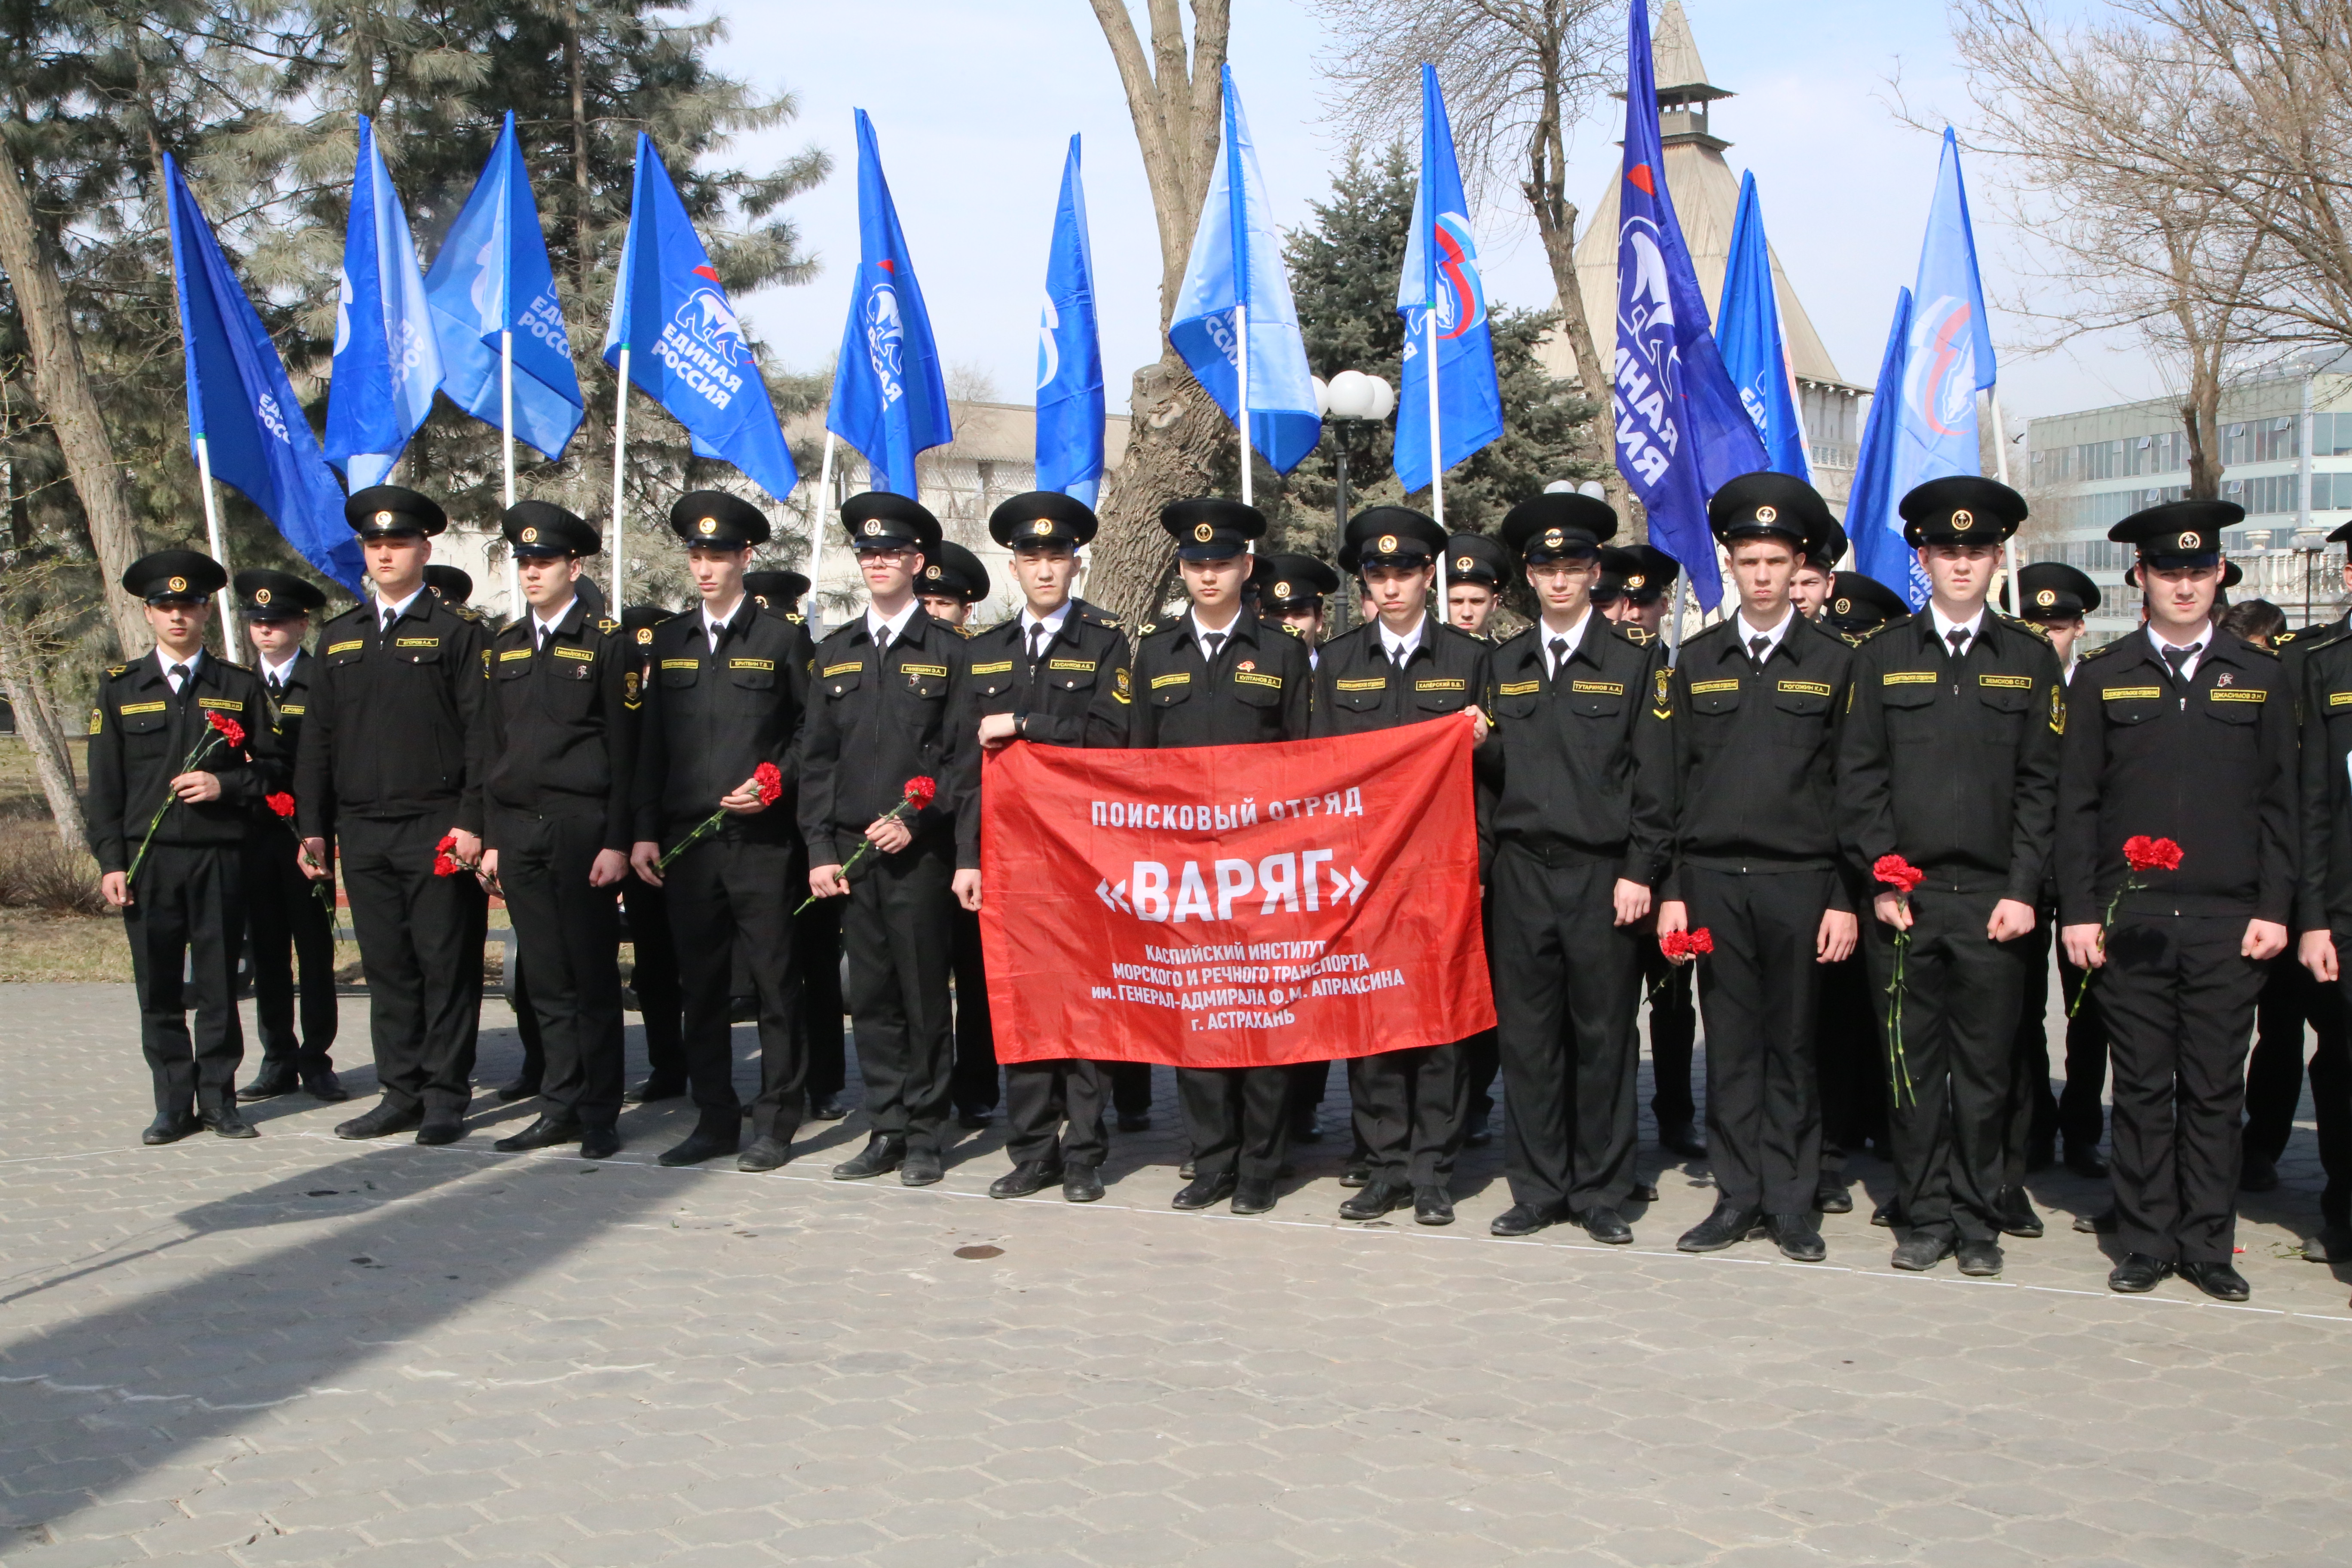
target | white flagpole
[
  {"x": 229, "y": 649},
  {"x": 1436, "y": 460},
  {"x": 506, "y": 444},
  {"x": 620, "y": 444},
  {"x": 817, "y": 510},
  {"x": 2001, "y": 468},
  {"x": 1241, "y": 332}
]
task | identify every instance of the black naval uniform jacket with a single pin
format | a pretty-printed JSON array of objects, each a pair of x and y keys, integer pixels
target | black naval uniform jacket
[
  {"x": 1953, "y": 764},
  {"x": 1051, "y": 696},
  {"x": 2213, "y": 768},
  {"x": 1257, "y": 688},
  {"x": 1358, "y": 690},
  {"x": 562, "y": 723},
  {"x": 1756, "y": 753},
  {"x": 287, "y": 709},
  {"x": 877, "y": 720},
  {"x": 140, "y": 734},
  {"x": 1583, "y": 765},
  {"x": 710, "y": 718},
  {"x": 393, "y": 722},
  {"x": 2323, "y": 894}
]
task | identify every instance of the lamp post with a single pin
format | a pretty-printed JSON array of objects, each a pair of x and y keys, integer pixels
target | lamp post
[{"x": 1353, "y": 404}]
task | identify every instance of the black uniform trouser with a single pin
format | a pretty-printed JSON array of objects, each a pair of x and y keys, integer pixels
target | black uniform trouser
[
  {"x": 570, "y": 937},
  {"x": 1674, "y": 1029},
  {"x": 291, "y": 931},
  {"x": 1758, "y": 992},
  {"x": 976, "y": 1087},
  {"x": 2179, "y": 1005},
  {"x": 1040, "y": 1097},
  {"x": 1408, "y": 1108},
  {"x": 2290, "y": 999},
  {"x": 1846, "y": 1056},
  {"x": 1130, "y": 1088},
  {"x": 1238, "y": 1119},
  {"x": 899, "y": 928},
  {"x": 421, "y": 948},
  {"x": 724, "y": 891},
  {"x": 653, "y": 975},
  {"x": 816, "y": 936},
  {"x": 2037, "y": 1117},
  {"x": 1482, "y": 1053},
  {"x": 1568, "y": 978},
  {"x": 185, "y": 925},
  {"x": 1951, "y": 1094},
  {"x": 2331, "y": 1100}
]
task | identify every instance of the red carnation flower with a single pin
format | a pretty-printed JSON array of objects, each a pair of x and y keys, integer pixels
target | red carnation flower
[
  {"x": 768, "y": 782},
  {"x": 281, "y": 802},
  {"x": 2142, "y": 853},
  {"x": 919, "y": 791},
  {"x": 1702, "y": 941},
  {"x": 1682, "y": 944},
  {"x": 230, "y": 730},
  {"x": 1897, "y": 873},
  {"x": 445, "y": 864}
]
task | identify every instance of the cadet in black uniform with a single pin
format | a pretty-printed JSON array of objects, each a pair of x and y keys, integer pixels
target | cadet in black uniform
[
  {"x": 1476, "y": 568},
  {"x": 1757, "y": 701},
  {"x": 2324, "y": 912},
  {"x": 1218, "y": 676},
  {"x": 653, "y": 971},
  {"x": 183, "y": 910},
  {"x": 1949, "y": 760},
  {"x": 883, "y": 713},
  {"x": 1576, "y": 818},
  {"x": 285, "y": 921},
  {"x": 559, "y": 757},
  {"x": 729, "y": 693},
  {"x": 2179, "y": 731},
  {"x": 1407, "y": 667},
  {"x": 1034, "y": 677},
  {"x": 1636, "y": 587},
  {"x": 390, "y": 765}
]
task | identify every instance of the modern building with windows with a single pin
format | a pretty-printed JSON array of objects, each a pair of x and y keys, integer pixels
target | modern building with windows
[{"x": 2286, "y": 458}]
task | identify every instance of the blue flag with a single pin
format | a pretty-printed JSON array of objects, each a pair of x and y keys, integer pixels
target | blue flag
[
  {"x": 1069, "y": 354},
  {"x": 1871, "y": 523},
  {"x": 240, "y": 404},
  {"x": 1749, "y": 336},
  {"x": 1681, "y": 431},
  {"x": 1236, "y": 261},
  {"x": 889, "y": 400},
  {"x": 1949, "y": 358},
  {"x": 387, "y": 364},
  {"x": 686, "y": 347},
  {"x": 1441, "y": 274},
  {"x": 490, "y": 277}
]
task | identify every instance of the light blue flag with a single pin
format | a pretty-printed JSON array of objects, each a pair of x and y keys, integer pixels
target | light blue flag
[
  {"x": 1681, "y": 432},
  {"x": 1949, "y": 357},
  {"x": 1871, "y": 523},
  {"x": 889, "y": 398},
  {"x": 491, "y": 276},
  {"x": 387, "y": 364},
  {"x": 686, "y": 347},
  {"x": 1748, "y": 331},
  {"x": 1069, "y": 354},
  {"x": 240, "y": 404},
  {"x": 1236, "y": 261},
  {"x": 1441, "y": 274}
]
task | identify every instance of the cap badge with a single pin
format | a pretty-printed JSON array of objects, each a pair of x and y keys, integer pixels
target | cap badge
[
  {"x": 707, "y": 526},
  {"x": 383, "y": 520},
  {"x": 177, "y": 585},
  {"x": 530, "y": 536},
  {"x": 2047, "y": 597},
  {"x": 1964, "y": 519},
  {"x": 1635, "y": 581},
  {"x": 2189, "y": 541},
  {"x": 932, "y": 573},
  {"x": 1768, "y": 514},
  {"x": 873, "y": 526},
  {"x": 644, "y": 636},
  {"x": 1204, "y": 532},
  {"x": 1845, "y": 606},
  {"x": 261, "y": 595},
  {"x": 1282, "y": 590},
  {"x": 1388, "y": 543},
  {"x": 1552, "y": 539},
  {"x": 1462, "y": 564},
  {"x": 1043, "y": 525}
]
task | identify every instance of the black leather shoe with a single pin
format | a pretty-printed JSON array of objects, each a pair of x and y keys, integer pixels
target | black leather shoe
[
  {"x": 2333, "y": 1244},
  {"x": 1254, "y": 1196},
  {"x": 552, "y": 1128},
  {"x": 1028, "y": 1177},
  {"x": 1375, "y": 1199},
  {"x": 764, "y": 1154},
  {"x": 321, "y": 1084},
  {"x": 382, "y": 1121},
  {"x": 516, "y": 1089},
  {"x": 227, "y": 1123},
  {"x": 826, "y": 1108},
  {"x": 1888, "y": 1214},
  {"x": 1830, "y": 1195},
  {"x": 1605, "y": 1225},
  {"x": 272, "y": 1080},
  {"x": 920, "y": 1168},
  {"x": 1081, "y": 1184},
  {"x": 436, "y": 1131},
  {"x": 1135, "y": 1121},
  {"x": 1357, "y": 1173},
  {"x": 1923, "y": 1250},
  {"x": 1981, "y": 1260},
  {"x": 2218, "y": 1280},
  {"x": 1729, "y": 1224},
  {"x": 1798, "y": 1236},
  {"x": 2255, "y": 1175},
  {"x": 1433, "y": 1205},
  {"x": 654, "y": 1089},
  {"x": 1682, "y": 1138},
  {"x": 2015, "y": 1209},
  {"x": 169, "y": 1129},
  {"x": 2083, "y": 1161},
  {"x": 700, "y": 1144},
  {"x": 881, "y": 1155},
  {"x": 2100, "y": 1224},
  {"x": 1203, "y": 1191},
  {"x": 1521, "y": 1219},
  {"x": 599, "y": 1143},
  {"x": 2137, "y": 1274}
]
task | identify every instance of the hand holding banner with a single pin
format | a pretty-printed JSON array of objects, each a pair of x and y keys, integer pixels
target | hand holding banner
[{"x": 1233, "y": 906}]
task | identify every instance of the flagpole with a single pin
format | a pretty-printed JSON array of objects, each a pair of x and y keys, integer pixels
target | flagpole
[
  {"x": 1436, "y": 462},
  {"x": 620, "y": 444},
  {"x": 2001, "y": 470},
  {"x": 1241, "y": 331},
  {"x": 506, "y": 445},
  {"x": 816, "y": 537},
  {"x": 229, "y": 649}
]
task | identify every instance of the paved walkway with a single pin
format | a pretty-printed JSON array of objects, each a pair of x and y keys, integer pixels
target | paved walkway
[{"x": 298, "y": 1349}]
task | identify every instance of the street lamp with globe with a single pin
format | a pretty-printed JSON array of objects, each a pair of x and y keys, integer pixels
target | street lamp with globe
[{"x": 1353, "y": 403}]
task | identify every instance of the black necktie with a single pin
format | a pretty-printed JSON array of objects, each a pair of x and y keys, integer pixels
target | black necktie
[
  {"x": 1396, "y": 656},
  {"x": 543, "y": 635},
  {"x": 1958, "y": 638},
  {"x": 1037, "y": 642},
  {"x": 1558, "y": 653},
  {"x": 1757, "y": 646},
  {"x": 277, "y": 687},
  {"x": 179, "y": 674},
  {"x": 1215, "y": 641},
  {"x": 2177, "y": 657}
]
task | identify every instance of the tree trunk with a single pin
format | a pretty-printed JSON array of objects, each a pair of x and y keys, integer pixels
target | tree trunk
[
  {"x": 37, "y": 721},
  {"x": 1174, "y": 447},
  {"x": 1546, "y": 189},
  {"x": 61, "y": 383}
]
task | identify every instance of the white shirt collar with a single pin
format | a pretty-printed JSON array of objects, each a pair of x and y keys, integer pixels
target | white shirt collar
[
  {"x": 712, "y": 624},
  {"x": 877, "y": 628},
  {"x": 1574, "y": 637},
  {"x": 1225, "y": 633},
  {"x": 2203, "y": 639},
  {"x": 385, "y": 611},
  {"x": 1053, "y": 623},
  {"x": 1945, "y": 624},
  {"x": 542, "y": 627},
  {"x": 281, "y": 673},
  {"x": 1771, "y": 635},
  {"x": 194, "y": 661},
  {"x": 1393, "y": 643}
]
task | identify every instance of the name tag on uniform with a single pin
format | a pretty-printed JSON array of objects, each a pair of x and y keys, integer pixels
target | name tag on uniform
[
  {"x": 2130, "y": 693},
  {"x": 1599, "y": 688},
  {"x": 334, "y": 648},
  {"x": 1909, "y": 677},
  {"x": 1256, "y": 678},
  {"x": 1805, "y": 688},
  {"x": 514, "y": 653},
  {"x": 833, "y": 669},
  {"x": 415, "y": 642},
  {"x": 131, "y": 708},
  {"x": 1519, "y": 688},
  {"x": 1702, "y": 686},
  {"x": 586, "y": 655},
  {"x": 743, "y": 663},
  {"x": 292, "y": 709},
  {"x": 697, "y": 664},
  {"x": 1381, "y": 684},
  {"x": 1445, "y": 683},
  {"x": 1182, "y": 677},
  {"x": 2007, "y": 683},
  {"x": 2237, "y": 694},
  {"x": 1002, "y": 666},
  {"x": 1085, "y": 666},
  {"x": 230, "y": 705},
  {"x": 911, "y": 670},
  {"x": 2339, "y": 699}
]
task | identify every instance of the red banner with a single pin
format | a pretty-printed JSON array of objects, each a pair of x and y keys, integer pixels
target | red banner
[{"x": 1233, "y": 906}]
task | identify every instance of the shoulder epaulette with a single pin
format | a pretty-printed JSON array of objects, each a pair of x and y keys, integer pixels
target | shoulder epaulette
[
  {"x": 795, "y": 618},
  {"x": 116, "y": 671},
  {"x": 2034, "y": 628},
  {"x": 1147, "y": 629},
  {"x": 2103, "y": 650},
  {"x": 1292, "y": 630},
  {"x": 1880, "y": 630},
  {"x": 967, "y": 632},
  {"x": 466, "y": 613},
  {"x": 2266, "y": 652},
  {"x": 607, "y": 625},
  {"x": 1640, "y": 636}
]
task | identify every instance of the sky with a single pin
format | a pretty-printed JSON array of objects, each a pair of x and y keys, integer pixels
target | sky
[{"x": 974, "y": 103}]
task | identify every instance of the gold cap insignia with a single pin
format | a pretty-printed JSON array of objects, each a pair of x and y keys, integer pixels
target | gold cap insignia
[
  {"x": 1635, "y": 581},
  {"x": 1282, "y": 590},
  {"x": 1043, "y": 525},
  {"x": 1552, "y": 540},
  {"x": 530, "y": 536},
  {"x": 177, "y": 585},
  {"x": 2189, "y": 541},
  {"x": 933, "y": 573},
  {"x": 1768, "y": 514},
  {"x": 383, "y": 520},
  {"x": 1204, "y": 532},
  {"x": 261, "y": 595},
  {"x": 2046, "y": 597},
  {"x": 1845, "y": 606},
  {"x": 873, "y": 526},
  {"x": 644, "y": 636},
  {"x": 1462, "y": 564},
  {"x": 1964, "y": 519},
  {"x": 708, "y": 525}
]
